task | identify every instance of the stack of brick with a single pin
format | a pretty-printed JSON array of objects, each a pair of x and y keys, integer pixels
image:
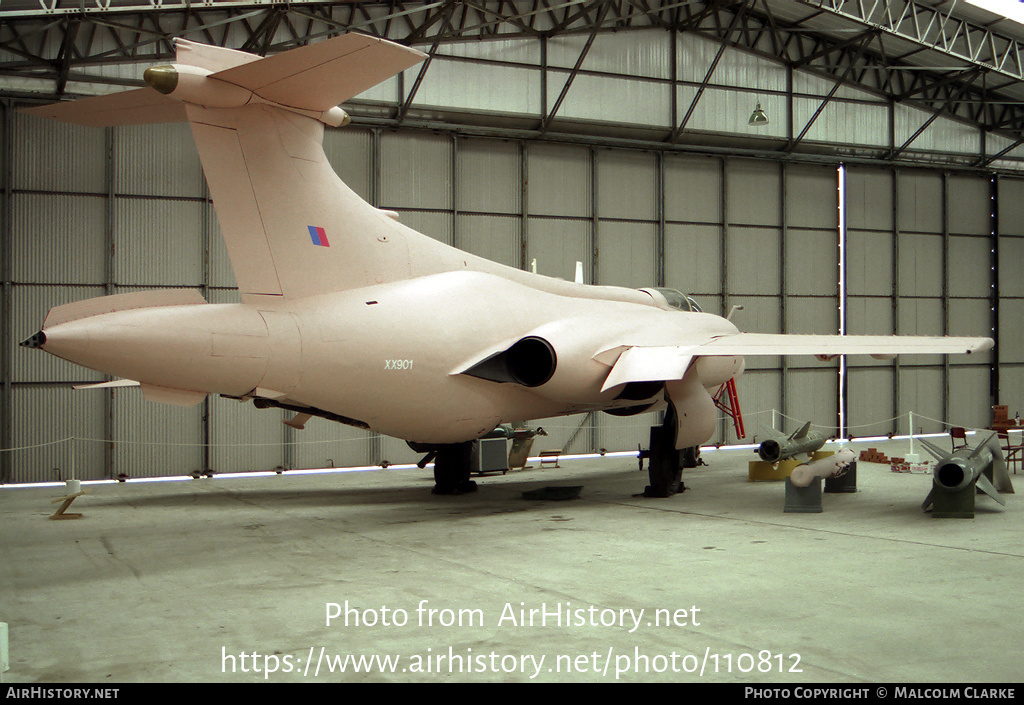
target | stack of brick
[
  {"x": 899, "y": 465},
  {"x": 871, "y": 455}
]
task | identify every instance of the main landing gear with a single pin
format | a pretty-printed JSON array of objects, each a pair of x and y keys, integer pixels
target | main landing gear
[
  {"x": 665, "y": 462},
  {"x": 451, "y": 468},
  {"x": 452, "y": 463}
]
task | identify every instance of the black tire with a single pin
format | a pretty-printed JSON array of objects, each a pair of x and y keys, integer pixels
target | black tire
[
  {"x": 451, "y": 469},
  {"x": 663, "y": 466}
]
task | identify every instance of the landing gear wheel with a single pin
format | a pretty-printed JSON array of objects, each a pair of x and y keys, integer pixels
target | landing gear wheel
[
  {"x": 451, "y": 469},
  {"x": 664, "y": 467},
  {"x": 690, "y": 457}
]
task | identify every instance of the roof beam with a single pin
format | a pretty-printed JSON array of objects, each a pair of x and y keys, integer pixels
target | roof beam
[
  {"x": 934, "y": 28},
  {"x": 37, "y": 39}
]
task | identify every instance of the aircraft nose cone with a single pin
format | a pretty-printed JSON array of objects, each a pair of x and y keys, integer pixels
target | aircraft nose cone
[{"x": 161, "y": 78}]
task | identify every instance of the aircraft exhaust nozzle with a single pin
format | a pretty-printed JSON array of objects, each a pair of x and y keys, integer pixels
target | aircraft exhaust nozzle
[
  {"x": 983, "y": 467},
  {"x": 530, "y": 362},
  {"x": 770, "y": 451},
  {"x": 802, "y": 441},
  {"x": 954, "y": 474}
]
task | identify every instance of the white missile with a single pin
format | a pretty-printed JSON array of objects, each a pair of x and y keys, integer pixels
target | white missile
[{"x": 829, "y": 466}]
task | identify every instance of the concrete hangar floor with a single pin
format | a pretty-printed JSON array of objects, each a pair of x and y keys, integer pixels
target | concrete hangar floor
[{"x": 368, "y": 577}]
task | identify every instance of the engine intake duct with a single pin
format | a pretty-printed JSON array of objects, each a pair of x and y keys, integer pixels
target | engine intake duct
[{"x": 530, "y": 362}]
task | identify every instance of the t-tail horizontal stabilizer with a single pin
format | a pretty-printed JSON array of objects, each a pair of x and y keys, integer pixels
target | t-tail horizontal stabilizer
[
  {"x": 310, "y": 81},
  {"x": 291, "y": 227}
]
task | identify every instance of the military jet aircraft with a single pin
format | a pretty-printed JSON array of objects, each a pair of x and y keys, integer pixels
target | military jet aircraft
[{"x": 348, "y": 314}]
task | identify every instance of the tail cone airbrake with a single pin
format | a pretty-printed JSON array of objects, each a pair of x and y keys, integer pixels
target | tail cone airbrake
[{"x": 34, "y": 342}]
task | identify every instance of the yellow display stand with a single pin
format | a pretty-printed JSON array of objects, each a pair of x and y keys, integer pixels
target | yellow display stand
[{"x": 762, "y": 471}]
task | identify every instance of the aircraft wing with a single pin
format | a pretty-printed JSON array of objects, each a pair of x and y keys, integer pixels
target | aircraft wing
[
  {"x": 670, "y": 362},
  {"x": 831, "y": 345}
]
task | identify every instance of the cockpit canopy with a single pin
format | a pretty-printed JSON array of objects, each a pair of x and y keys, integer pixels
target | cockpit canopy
[{"x": 673, "y": 299}]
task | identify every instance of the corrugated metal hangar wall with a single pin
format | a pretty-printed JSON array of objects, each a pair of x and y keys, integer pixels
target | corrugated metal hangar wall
[{"x": 93, "y": 212}]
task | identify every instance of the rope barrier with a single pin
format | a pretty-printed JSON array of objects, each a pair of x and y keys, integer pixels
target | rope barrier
[
  {"x": 556, "y": 428},
  {"x": 546, "y": 426}
]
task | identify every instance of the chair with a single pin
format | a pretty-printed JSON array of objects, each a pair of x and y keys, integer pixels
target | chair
[
  {"x": 957, "y": 433},
  {"x": 1011, "y": 453}
]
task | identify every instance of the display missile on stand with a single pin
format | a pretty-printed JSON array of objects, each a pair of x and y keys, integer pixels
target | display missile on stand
[
  {"x": 829, "y": 466},
  {"x": 958, "y": 473},
  {"x": 802, "y": 441}
]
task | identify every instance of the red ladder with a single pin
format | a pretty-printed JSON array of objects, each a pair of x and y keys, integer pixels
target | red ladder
[{"x": 731, "y": 405}]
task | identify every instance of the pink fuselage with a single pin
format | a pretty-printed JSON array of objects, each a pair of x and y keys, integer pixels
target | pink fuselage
[{"x": 387, "y": 356}]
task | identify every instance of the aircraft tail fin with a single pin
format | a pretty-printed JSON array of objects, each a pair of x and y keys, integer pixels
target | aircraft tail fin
[
  {"x": 291, "y": 227},
  {"x": 801, "y": 432},
  {"x": 313, "y": 78}
]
